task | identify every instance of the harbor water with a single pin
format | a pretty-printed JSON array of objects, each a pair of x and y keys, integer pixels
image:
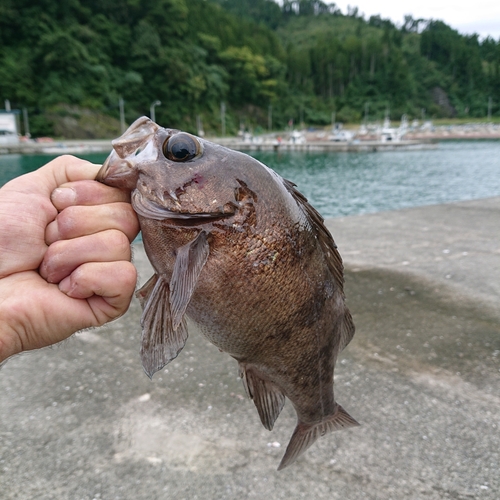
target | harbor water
[{"x": 340, "y": 184}]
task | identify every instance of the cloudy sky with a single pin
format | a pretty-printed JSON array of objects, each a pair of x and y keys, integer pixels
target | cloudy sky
[{"x": 477, "y": 16}]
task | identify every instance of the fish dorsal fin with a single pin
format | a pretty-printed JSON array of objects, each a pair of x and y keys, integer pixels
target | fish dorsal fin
[
  {"x": 305, "y": 435},
  {"x": 187, "y": 268},
  {"x": 267, "y": 396},
  {"x": 332, "y": 256},
  {"x": 161, "y": 343}
]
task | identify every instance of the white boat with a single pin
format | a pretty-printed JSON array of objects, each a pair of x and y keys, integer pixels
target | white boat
[
  {"x": 342, "y": 136},
  {"x": 8, "y": 129},
  {"x": 392, "y": 134}
]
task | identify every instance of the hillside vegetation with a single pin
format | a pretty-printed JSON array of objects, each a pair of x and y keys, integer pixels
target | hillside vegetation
[{"x": 302, "y": 61}]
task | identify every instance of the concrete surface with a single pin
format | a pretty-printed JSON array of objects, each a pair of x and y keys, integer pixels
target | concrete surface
[{"x": 82, "y": 421}]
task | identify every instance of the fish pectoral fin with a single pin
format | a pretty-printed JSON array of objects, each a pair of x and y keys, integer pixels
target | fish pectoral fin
[
  {"x": 160, "y": 343},
  {"x": 266, "y": 395},
  {"x": 305, "y": 435},
  {"x": 187, "y": 268}
]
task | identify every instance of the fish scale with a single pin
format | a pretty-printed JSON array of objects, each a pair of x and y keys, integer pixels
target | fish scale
[{"x": 238, "y": 250}]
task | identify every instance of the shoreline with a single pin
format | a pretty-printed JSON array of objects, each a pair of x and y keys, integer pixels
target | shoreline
[
  {"x": 412, "y": 141},
  {"x": 82, "y": 147}
]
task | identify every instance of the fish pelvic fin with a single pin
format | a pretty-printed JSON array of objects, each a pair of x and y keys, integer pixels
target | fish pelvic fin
[
  {"x": 266, "y": 395},
  {"x": 187, "y": 268},
  {"x": 145, "y": 291},
  {"x": 306, "y": 434},
  {"x": 160, "y": 342}
]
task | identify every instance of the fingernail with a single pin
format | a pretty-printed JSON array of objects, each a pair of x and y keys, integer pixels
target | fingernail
[
  {"x": 63, "y": 196},
  {"x": 65, "y": 285}
]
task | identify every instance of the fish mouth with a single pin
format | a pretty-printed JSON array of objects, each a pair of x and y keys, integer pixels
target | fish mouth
[
  {"x": 118, "y": 168},
  {"x": 149, "y": 209},
  {"x": 103, "y": 171},
  {"x": 117, "y": 172}
]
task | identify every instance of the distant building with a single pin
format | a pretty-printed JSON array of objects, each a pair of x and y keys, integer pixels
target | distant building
[{"x": 8, "y": 128}]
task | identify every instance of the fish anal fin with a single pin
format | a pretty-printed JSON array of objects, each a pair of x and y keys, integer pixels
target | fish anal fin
[
  {"x": 187, "y": 268},
  {"x": 306, "y": 434},
  {"x": 266, "y": 395},
  {"x": 347, "y": 330},
  {"x": 161, "y": 343}
]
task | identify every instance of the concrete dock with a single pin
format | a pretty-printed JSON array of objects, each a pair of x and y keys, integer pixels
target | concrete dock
[
  {"x": 422, "y": 375},
  {"x": 104, "y": 146}
]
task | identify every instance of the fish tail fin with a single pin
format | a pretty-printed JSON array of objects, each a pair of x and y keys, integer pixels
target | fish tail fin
[{"x": 306, "y": 434}]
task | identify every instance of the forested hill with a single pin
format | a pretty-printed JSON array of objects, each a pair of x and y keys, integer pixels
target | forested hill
[{"x": 302, "y": 60}]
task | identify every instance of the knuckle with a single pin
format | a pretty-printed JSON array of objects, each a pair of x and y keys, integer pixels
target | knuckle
[
  {"x": 130, "y": 276},
  {"x": 120, "y": 242},
  {"x": 65, "y": 158}
]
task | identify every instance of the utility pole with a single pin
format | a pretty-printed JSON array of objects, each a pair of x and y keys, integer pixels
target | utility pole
[
  {"x": 387, "y": 119},
  {"x": 121, "y": 103},
  {"x": 223, "y": 118},
  {"x": 26, "y": 123},
  {"x": 199, "y": 126},
  {"x": 152, "y": 109}
]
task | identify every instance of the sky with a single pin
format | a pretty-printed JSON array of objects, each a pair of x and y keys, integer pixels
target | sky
[{"x": 467, "y": 17}]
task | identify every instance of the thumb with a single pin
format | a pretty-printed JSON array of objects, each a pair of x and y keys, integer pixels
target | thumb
[{"x": 64, "y": 169}]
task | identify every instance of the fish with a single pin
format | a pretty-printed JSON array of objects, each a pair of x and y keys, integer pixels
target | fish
[{"x": 240, "y": 251}]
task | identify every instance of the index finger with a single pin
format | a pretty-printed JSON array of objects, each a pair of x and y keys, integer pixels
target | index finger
[{"x": 86, "y": 193}]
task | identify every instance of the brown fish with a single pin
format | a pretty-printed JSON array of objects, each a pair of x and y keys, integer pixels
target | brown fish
[{"x": 240, "y": 251}]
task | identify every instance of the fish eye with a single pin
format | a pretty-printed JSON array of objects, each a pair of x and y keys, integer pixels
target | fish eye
[{"x": 181, "y": 147}]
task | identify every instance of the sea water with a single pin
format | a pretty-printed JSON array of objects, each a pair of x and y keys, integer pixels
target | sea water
[{"x": 339, "y": 184}]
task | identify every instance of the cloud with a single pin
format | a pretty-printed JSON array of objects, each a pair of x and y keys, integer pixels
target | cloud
[{"x": 481, "y": 16}]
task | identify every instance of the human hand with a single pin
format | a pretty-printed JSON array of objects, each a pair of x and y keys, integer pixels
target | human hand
[{"x": 64, "y": 254}]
